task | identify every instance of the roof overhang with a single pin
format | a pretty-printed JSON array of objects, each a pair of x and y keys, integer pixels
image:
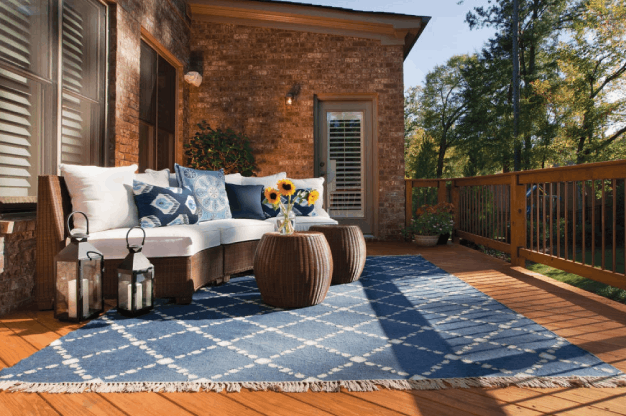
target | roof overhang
[{"x": 389, "y": 28}]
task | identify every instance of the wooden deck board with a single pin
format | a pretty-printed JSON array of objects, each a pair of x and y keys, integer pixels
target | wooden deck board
[{"x": 596, "y": 324}]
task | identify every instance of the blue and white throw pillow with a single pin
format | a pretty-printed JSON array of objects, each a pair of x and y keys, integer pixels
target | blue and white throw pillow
[
  {"x": 209, "y": 189},
  {"x": 300, "y": 207},
  {"x": 158, "y": 206}
]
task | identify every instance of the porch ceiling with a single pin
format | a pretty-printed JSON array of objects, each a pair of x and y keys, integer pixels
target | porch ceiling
[{"x": 389, "y": 28}]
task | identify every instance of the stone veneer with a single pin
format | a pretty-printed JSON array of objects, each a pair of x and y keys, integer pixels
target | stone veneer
[
  {"x": 248, "y": 70},
  {"x": 17, "y": 262}
]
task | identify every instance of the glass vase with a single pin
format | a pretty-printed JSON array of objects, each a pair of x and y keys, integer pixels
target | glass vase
[{"x": 286, "y": 221}]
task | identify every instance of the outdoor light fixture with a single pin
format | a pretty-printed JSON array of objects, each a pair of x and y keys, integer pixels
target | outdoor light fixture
[
  {"x": 78, "y": 271},
  {"x": 193, "y": 78},
  {"x": 292, "y": 95},
  {"x": 135, "y": 284}
]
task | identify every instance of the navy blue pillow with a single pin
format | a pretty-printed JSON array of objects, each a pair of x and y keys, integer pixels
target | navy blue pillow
[
  {"x": 159, "y": 206},
  {"x": 301, "y": 207},
  {"x": 244, "y": 201}
]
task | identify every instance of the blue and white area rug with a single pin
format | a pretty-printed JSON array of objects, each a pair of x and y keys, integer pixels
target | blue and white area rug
[{"x": 406, "y": 324}]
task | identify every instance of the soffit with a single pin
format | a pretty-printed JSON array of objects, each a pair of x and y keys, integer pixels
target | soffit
[{"x": 389, "y": 28}]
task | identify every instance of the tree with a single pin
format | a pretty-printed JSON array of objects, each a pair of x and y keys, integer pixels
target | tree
[
  {"x": 589, "y": 91},
  {"x": 442, "y": 105}
]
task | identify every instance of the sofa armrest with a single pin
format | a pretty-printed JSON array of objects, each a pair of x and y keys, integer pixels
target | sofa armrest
[{"x": 53, "y": 206}]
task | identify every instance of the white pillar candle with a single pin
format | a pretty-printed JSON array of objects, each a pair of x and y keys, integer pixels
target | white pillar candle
[
  {"x": 148, "y": 286},
  {"x": 85, "y": 298},
  {"x": 72, "y": 306},
  {"x": 129, "y": 296},
  {"x": 71, "y": 299}
]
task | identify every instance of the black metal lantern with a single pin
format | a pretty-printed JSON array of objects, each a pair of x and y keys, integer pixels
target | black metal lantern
[
  {"x": 135, "y": 281},
  {"x": 78, "y": 272}
]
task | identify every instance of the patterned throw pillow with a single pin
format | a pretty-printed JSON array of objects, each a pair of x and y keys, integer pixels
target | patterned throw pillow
[
  {"x": 159, "y": 206},
  {"x": 209, "y": 189},
  {"x": 301, "y": 207}
]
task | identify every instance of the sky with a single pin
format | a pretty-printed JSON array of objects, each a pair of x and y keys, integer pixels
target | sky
[{"x": 446, "y": 34}]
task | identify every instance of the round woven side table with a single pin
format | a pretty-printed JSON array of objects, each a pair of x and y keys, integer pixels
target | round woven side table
[
  {"x": 293, "y": 271},
  {"x": 347, "y": 245}
]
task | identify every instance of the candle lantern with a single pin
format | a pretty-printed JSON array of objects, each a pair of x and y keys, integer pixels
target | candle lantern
[
  {"x": 135, "y": 288},
  {"x": 78, "y": 272}
]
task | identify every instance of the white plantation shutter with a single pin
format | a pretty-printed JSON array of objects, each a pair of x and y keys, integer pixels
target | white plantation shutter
[
  {"x": 23, "y": 26},
  {"x": 346, "y": 176}
]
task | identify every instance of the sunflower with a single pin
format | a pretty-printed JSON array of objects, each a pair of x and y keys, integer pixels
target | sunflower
[
  {"x": 272, "y": 195},
  {"x": 313, "y": 196},
  {"x": 286, "y": 187}
]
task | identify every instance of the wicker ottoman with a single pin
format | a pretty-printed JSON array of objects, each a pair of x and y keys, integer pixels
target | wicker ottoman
[
  {"x": 347, "y": 245},
  {"x": 293, "y": 271}
]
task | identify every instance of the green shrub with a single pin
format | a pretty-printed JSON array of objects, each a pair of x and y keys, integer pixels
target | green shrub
[{"x": 211, "y": 149}]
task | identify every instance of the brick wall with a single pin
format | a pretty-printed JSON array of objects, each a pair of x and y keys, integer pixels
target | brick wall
[
  {"x": 166, "y": 22},
  {"x": 248, "y": 70},
  {"x": 17, "y": 263}
]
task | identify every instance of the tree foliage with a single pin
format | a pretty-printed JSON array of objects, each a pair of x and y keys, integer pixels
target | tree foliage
[{"x": 572, "y": 100}]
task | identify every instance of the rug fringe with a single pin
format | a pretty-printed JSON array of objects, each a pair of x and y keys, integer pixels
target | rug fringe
[{"x": 316, "y": 386}]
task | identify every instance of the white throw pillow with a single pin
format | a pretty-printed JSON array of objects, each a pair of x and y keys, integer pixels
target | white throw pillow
[
  {"x": 233, "y": 178},
  {"x": 105, "y": 195},
  {"x": 266, "y": 181},
  {"x": 155, "y": 177},
  {"x": 313, "y": 183}
]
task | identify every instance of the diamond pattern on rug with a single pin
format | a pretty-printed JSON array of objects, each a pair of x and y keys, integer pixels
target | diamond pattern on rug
[{"x": 405, "y": 319}]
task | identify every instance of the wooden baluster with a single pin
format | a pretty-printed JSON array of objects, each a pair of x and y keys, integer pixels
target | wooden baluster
[
  {"x": 574, "y": 220},
  {"x": 455, "y": 199},
  {"x": 558, "y": 219},
  {"x": 584, "y": 206},
  {"x": 566, "y": 223},
  {"x": 551, "y": 218},
  {"x": 593, "y": 223},
  {"x": 603, "y": 225},
  {"x": 544, "y": 217},
  {"x": 613, "y": 191},
  {"x": 537, "y": 204},
  {"x": 408, "y": 203}
]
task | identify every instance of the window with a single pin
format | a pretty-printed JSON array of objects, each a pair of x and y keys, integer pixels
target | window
[
  {"x": 157, "y": 111},
  {"x": 37, "y": 132}
]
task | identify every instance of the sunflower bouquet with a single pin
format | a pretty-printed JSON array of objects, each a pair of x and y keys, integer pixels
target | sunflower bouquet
[{"x": 285, "y": 197}]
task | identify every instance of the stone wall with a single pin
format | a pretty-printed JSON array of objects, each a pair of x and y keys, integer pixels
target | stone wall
[
  {"x": 17, "y": 263},
  {"x": 166, "y": 22},
  {"x": 248, "y": 70}
]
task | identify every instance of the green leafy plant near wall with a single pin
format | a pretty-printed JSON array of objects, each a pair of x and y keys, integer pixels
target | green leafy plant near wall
[{"x": 211, "y": 149}]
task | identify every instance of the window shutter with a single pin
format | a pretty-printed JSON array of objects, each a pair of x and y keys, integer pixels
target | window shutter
[{"x": 345, "y": 148}]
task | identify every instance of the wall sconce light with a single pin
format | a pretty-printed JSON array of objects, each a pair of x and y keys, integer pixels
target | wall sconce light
[
  {"x": 193, "y": 78},
  {"x": 292, "y": 95}
]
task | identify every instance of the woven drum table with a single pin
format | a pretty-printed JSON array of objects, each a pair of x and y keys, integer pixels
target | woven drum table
[
  {"x": 347, "y": 245},
  {"x": 293, "y": 271}
]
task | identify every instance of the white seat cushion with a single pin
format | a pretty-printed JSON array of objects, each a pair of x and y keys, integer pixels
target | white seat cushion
[
  {"x": 303, "y": 223},
  {"x": 173, "y": 241},
  {"x": 237, "y": 230}
]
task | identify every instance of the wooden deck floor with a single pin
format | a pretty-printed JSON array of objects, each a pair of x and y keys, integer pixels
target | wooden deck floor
[{"x": 594, "y": 323}]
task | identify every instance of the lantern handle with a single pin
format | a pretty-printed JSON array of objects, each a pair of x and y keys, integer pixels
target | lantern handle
[
  {"x": 70, "y": 217},
  {"x": 128, "y": 233}
]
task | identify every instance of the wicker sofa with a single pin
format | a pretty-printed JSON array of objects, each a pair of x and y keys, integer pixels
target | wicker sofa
[{"x": 208, "y": 255}]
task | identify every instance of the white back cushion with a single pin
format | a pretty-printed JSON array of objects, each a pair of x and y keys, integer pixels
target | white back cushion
[
  {"x": 233, "y": 178},
  {"x": 105, "y": 195},
  {"x": 266, "y": 181},
  {"x": 155, "y": 177}
]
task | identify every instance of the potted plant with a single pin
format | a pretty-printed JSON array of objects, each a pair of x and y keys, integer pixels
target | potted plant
[{"x": 429, "y": 225}]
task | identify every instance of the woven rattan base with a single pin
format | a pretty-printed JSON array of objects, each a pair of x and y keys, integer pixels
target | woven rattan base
[{"x": 347, "y": 245}]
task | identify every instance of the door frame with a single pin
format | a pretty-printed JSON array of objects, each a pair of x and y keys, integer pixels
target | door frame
[{"x": 371, "y": 98}]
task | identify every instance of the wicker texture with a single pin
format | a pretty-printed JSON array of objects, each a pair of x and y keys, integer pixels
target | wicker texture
[
  {"x": 175, "y": 277},
  {"x": 53, "y": 206},
  {"x": 347, "y": 246},
  {"x": 293, "y": 271}
]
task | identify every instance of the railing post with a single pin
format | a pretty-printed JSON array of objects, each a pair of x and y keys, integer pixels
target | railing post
[
  {"x": 455, "y": 195},
  {"x": 409, "y": 202},
  {"x": 442, "y": 192},
  {"x": 518, "y": 220}
]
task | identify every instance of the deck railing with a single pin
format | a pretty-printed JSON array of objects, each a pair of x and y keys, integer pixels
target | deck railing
[{"x": 571, "y": 218}]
